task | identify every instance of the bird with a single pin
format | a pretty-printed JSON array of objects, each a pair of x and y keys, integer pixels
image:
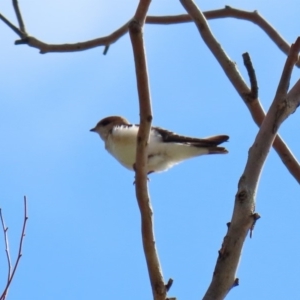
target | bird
[{"x": 165, "y": 148}]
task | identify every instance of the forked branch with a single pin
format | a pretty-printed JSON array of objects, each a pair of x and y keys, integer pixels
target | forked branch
[
  {"x": 12, "y": 270},
  {"x": 230, "y": 69},
  {"x": 244, "y": 217},
  {"x": 253, "y": 104},
  {"x": 19, "y": 15},
  {"x": 227, "y": 12}
]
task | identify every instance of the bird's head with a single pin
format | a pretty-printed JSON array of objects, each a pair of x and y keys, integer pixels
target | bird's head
[{"x": 104, "y": 126}]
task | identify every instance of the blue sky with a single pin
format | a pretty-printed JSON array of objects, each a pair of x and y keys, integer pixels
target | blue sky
[{"x": 83, "y": 236}]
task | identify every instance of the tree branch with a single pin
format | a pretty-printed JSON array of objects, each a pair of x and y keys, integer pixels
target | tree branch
[
  {"x": 11, "y": 274},
  {"x": 136, "y": 34},
  {"x": 19, "y": 16},
  {"x": 243, "y": 214},
  {"x": 239, "y": 84},
  {"x": 5, "y": 229},
  {"x": 227, "y": 12},
  {"x": 253, "y": 105},
  {"x": 252, "y": 76},
  {"x": 103, "y": 41},
  {"x": 258, "y": 116},
  {"x": 12, "y": 26}
]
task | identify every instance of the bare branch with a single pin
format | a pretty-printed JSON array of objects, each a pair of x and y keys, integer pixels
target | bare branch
[
  {"x": 5, "y": 229},
  {"x": 239, "y": 84},
  {"x": 168, "y": 20},
  {"x": 258, "y": 116},
  {"x": 169, "y": 284},
  {"x": 12, "y": 26},
  {"x": 252, "y": 76},
  {"x": 292, "y": 102},
  {"x": 227, "y": 12},
  {"x": 103, "y": 41},
  {"x": 154, "y": 269},
  {"x": 19, "y": 252},
  {"x": 255, "y": 217},
  {"x": 106, "y": 48},
  {"x": 257, "y": 19},
  {"x": 243, "y": 214},
  {"x": 253, "y": 105},
  {"x": 285, "y": 154},
  {"x": 19, "y": 16},
  {"x": 141, "y": 11}
]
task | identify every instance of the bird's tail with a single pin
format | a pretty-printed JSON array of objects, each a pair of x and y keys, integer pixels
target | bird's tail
[
  {"x": 217, "y": 139},
  {"x": 217, "y": 150}
]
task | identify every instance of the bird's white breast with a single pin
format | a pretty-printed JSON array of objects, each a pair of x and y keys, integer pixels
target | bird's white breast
[{"x": 121, "y": 143}]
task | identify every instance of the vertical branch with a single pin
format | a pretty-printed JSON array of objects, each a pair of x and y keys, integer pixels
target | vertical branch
[
  {"x": 19, "y": 15},
  {"x": 5, "y": 229},
  {"x": 136, "y": 35},
  {"x": 252, "y": 76},
  {"x": 3, "y": 296},
  {"x": 243, "y": 214}
]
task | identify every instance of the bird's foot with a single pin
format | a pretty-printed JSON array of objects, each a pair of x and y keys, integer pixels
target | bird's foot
[{"x": 148, "y": 179}]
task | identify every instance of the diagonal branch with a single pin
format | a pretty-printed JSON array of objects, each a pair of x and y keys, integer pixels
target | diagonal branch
[
  {"x": 255, "y": 18},
  {"x": 12, "y": 26},
  {"x": 154, "y": 269},
  {"x": 243, "y": 214},
  {"x": 258, "y": 116},
  {"x": 229, "y": 12},
  {"x": 239, "y": 84}
]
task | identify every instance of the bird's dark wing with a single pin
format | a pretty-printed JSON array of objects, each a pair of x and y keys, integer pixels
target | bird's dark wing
[{"x": 171, "y": 137}]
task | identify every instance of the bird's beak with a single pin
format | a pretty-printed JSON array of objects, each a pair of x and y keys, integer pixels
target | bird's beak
[{"x": 93, "y": 129}]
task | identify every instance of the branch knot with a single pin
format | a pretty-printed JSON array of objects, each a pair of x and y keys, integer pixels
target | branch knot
[{"x": 135, "y": 26}]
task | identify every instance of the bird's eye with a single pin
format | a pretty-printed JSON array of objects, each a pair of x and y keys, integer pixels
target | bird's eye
[{"x": 104, "y": 122}]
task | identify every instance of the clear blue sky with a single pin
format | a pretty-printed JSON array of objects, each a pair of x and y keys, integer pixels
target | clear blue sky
[{"x": 83, "y": 236}]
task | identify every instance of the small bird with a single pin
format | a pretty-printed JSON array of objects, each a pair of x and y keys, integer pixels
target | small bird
[{"x": 165, "y": 148}]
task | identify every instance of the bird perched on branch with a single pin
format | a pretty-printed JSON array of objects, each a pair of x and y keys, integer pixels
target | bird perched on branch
[{"x": 165, "y": 148}]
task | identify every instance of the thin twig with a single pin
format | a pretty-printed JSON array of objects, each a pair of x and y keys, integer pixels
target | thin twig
[
  {"x": 239, "y": 84},
  {"x": 19, "y": 252},
  {"x": 251, "y": 74},
  {"x": 106, "y": 48},
  {"x": 169, "y": 284},
  {"x": 5, "y": 230},
  {"x": 242, "y": 219},
  {"x": 136, "y": 35},
  {"x": 19, "y": 15},
  {"x": 12, "y": 26},
  {"x": 255, "y": 217}
]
